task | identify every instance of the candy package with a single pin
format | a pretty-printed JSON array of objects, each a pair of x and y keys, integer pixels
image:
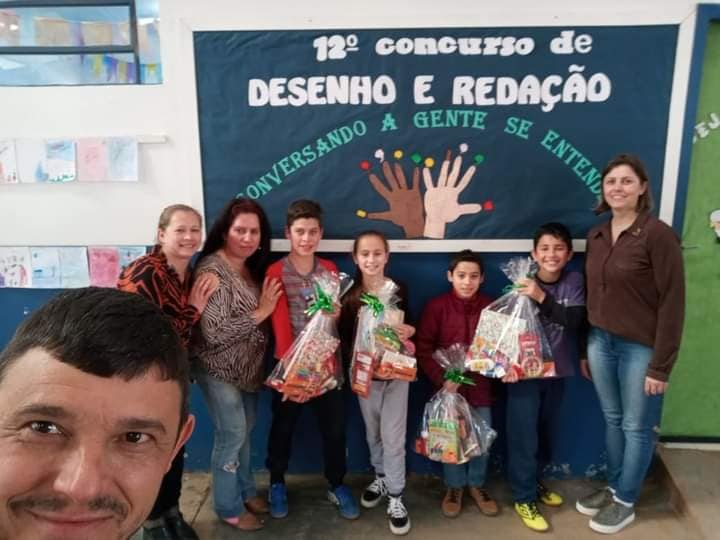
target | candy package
[
  {"x": 310, "y": 368},
  {"x": 509, "y": 334},
  {"x": 450, "y": 430},
  {"x": 378, "y": 350}
]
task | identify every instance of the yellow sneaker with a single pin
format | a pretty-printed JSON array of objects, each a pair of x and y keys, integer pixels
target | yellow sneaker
[
  {"x": 548, "y": 497},
  {"x": 531, "y": 516}
]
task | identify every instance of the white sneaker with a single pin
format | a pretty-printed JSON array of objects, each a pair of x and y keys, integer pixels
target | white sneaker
[
  {"x": 398, "y": 518},
  {"x": 374, "y": 493}
]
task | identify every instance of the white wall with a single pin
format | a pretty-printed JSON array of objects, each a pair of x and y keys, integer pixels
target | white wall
[{"x": 87, "y": 214}]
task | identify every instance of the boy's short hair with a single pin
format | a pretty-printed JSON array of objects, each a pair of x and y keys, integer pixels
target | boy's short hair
[
  {"x": 304, "y": 209},
  {"x": 466, "y": 255},
  {"x": 553, "y": 228}
]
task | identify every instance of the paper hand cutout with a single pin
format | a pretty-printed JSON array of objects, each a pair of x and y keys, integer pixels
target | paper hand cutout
[
  {"x": 406, "y": 205},
  {"x": 441, "y": 200}
]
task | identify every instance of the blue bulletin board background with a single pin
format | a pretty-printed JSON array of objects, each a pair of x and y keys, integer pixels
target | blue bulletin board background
[{"x": 545, "y": 169}]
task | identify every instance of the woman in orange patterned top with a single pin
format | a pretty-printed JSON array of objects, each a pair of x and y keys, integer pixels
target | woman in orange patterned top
[{"x": 163, "y": 277}]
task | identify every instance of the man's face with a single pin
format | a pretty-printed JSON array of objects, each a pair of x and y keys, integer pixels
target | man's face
[{"x": 82, "y": 457}]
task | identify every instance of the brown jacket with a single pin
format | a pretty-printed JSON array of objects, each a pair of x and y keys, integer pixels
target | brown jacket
[{"x": 636, "y": 288}]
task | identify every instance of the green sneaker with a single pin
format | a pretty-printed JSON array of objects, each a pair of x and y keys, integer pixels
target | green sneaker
[
  {"x": 593, "y": 503},
  {"x": 613, "y": 518}
]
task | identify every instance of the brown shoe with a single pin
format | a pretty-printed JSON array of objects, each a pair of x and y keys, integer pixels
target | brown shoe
[
  {"x": 452, "y": 503},
  {"x": 257, "y": 505},
  {"x": 247, "y": 521},
  {"x": 485, "y": 503}
]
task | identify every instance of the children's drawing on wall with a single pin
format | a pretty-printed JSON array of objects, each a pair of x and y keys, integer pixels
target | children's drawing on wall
[
  {"x": 45, "y": 267},
  {"x": 32, "y": 160},
  {"x": 74, "y": 267},
  {"x": 92, "y": 160},
  {"x": 715, "y": 223},
  {"x": 123, "y": 159},
  {"x": 128, "y": 254},
  {"x": 15, "y": 269},
  {"x": 424, "y": 215},
  {"x": 104, "y": 265},
  {"x": 8, "y": 162},
  {"x": 61, "y": 160}
]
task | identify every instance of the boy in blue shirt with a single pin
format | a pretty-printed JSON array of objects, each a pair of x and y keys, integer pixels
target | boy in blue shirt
[{"x": 533, "y": 403}]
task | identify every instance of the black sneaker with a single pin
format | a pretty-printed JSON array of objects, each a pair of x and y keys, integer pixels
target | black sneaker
[
  {"x": 181, "y": 529},
  {"x": 398, "y": 518},
  {"x": 374, "y": 493},
  {"x": 157, "y": 529}
]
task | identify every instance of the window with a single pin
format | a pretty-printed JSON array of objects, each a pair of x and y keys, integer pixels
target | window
[{"x": 79, "y": 42}]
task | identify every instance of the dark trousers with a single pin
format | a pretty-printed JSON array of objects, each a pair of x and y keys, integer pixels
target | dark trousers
[
  {"x": 532, "y": 407},
  {"x": 169, "y": 494},
  {"x": 329, "y": 410}
]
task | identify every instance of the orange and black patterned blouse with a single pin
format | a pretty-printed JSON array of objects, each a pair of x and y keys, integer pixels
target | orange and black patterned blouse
[{"x": 152, "y": 277}]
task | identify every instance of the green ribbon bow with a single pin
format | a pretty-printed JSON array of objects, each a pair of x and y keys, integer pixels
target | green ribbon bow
[
  {"x": 455, "y": 375},
  {"x": 323, "y": 301},
  {"x": 389, "y": 334},
  {"x": 372, "y": 302},
  {"x": 510, "y": 288},
  {"x": 513, "y": 286}
]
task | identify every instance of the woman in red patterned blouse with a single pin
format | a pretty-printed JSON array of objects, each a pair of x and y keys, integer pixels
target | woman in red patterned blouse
[{"x": 163, "y": 277}]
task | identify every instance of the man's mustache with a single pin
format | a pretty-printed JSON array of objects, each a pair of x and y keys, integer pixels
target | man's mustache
[{"x": 57, "y": 504}]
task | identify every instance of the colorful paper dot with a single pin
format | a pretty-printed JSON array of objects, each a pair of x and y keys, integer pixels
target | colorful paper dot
[
  {"x": 429, "y": 162},
  {"x": 398, "y": 154},
  {"x": 463, "y": 148},
  {"x": 479, "y": 158},
  {"x": 361, "y": 213},
  {"x": 417, "y": 158},
  {"x": 365, "y": 165},
  {"x": 488, "y": 205}
]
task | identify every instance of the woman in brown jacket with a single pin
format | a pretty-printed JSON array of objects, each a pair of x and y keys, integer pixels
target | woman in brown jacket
[{"x": 636, "y": 301}]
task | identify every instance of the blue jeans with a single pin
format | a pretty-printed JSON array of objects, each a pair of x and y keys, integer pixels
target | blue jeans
[
  {"x": 618, "y": 368},
  {"x": 532, "y": 406},
  {"x": 474, "y": 471},
  {"x": 233, "y": 416}
]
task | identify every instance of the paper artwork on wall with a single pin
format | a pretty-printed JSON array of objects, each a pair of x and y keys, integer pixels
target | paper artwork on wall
[
  {"x": 92, "y": 160},
  {"x": 45, "y": 262},
  {"x": 32, "y": 160},
  {"x": 123, "y": 159},
  {"x": 15, "y": 269},
  {"x": 9, "y": 29},
  {"x": 104, "y": 264},
  {"x": 8, "y": 162},
  {"x": 97, "y": 33},
  {"x": 51, "y": 32},
  {"x": 129, "y": 253},
  {"x": 74, "y": 267},
  {"x": 61, "y": 160}
]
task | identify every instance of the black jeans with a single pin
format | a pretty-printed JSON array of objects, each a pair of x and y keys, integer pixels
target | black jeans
[
  {"x": 330, "y": 412},
  {"x": 169, "y": 494}
]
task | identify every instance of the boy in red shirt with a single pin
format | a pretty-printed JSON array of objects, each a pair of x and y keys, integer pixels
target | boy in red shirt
[
  {"x": 447, "y": 319},
  {"x": 296, "y": 272}
]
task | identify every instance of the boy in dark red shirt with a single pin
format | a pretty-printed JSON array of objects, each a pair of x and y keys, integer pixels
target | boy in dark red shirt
[{"x": 447, "y": 319}]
